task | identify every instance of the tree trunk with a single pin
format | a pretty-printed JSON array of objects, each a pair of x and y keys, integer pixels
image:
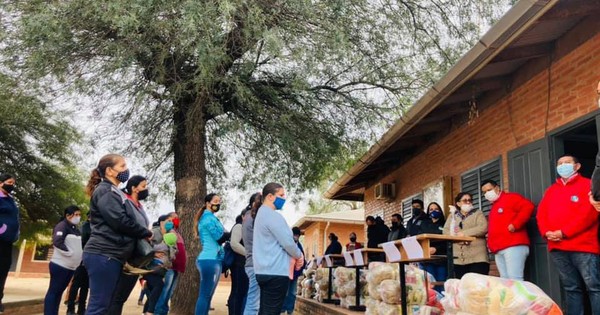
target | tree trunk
[{"x": 190, "y": 189}]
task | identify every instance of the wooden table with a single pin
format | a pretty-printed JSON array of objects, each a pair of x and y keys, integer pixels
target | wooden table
[
  {"x": 357, "y": 267},
  {"x": 425, "y": 241}
]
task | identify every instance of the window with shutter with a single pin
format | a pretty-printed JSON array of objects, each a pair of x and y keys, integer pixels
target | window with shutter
[{"x": 470, "y": 182}]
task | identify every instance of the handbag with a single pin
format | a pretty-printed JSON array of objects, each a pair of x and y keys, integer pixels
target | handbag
[{"x": 142, "y": 254}]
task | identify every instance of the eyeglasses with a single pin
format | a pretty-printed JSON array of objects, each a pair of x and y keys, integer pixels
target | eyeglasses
[{"x": 467, "y": 200}]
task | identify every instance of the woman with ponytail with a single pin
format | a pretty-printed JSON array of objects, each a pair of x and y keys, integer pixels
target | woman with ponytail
[
  {"x": 275, "y": 245},
  {"x": 136, "y": 190},
  {"x": 66, "y": 257},
  {"x": 211, "y": 234},
  {"x": 253, "y": 297},
  {"x": 115, "y": 230},
  {"x": 9, "y": 228}
]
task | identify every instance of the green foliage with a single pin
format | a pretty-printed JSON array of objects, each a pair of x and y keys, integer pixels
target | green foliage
[
  {"x": 289, "y": 89},
  {"x": 35, "y": 147}
]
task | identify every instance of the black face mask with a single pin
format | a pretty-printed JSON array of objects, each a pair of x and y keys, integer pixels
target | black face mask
[
  {"x": 123, "y": 176},
  {"x": 395, "y": 224},
  {"x": 353, "y": 239},
  {"x": 215, "y": 208},
  {"x": 8, "y": 188},
  {"x": 143, "y": 194},
  {"x": 416, "y": 212}
]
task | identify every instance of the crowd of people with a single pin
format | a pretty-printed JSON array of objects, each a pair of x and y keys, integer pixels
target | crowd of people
[{"x": 118, "y": 244}]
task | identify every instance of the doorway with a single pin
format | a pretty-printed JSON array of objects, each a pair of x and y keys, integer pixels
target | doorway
[{"x": 580, "y": 141}]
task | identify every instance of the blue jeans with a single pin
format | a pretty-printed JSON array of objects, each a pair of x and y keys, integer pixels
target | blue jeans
[
  {"x": 253, "y": 297},
  {"x": 59, "y": 280},
  {"x": 439, "y": 272},
  {"x": 162, "y": 306},
  {"x": 511, "y": 262},
  {"x": 210, "y": 272},
  {"x": 290, "y": 299},
  {"x": 578, "y": 271},
  {"x": 104, "y": 274}
]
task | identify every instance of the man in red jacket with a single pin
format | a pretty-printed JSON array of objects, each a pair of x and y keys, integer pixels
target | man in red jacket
[
  {"x": 570, "y": 224},
  {"x": 507, "y": 229}
]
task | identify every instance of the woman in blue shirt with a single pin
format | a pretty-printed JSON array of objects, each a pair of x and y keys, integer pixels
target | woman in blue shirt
[{"x": 211, "y": 234}]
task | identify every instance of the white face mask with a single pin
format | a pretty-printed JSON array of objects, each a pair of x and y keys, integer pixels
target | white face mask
[
  {"x": 465, "y": 208},
  {"x": 75, "y": 220},
  {"x": 491, "y": 195}
]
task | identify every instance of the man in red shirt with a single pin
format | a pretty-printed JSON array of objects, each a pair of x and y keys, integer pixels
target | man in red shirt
[
  {"x": 507, "y": 229},
  {"x": 570, "y": 224}
]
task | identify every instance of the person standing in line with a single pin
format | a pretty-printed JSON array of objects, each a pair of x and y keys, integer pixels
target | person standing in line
[
  {"x": 9, "y": 228},
  {"x": 253, "y": 296},
  {"x": 274, "y": 251},
  {"x": 377, "y": 233},
  {"x": 80, "y": 286},
  {"x": 507, "y": 230},
  {"x": 397, "y": 231},
  {"x": 468, "y": 221},
  {"x": 569, "y": 223},
  {"x": 435, "y": 225},
  {"x": 172, "y": 275},
  {"x": 239, "y": 279},
  {"x": 66, "y": 240},
  {"x": 211, "y": 234},
  {"x": 135, "y": 191},
  {"x": 418, "y": 220},
  {"x": 334, "y": 245},
  {"x": 290, "y": 299},
  {"x": 353, "y": 243},
  {"x": 115, "y": 231}
]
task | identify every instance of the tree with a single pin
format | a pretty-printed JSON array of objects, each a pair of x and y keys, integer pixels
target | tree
[
  {"x": 284, "y": 88},
  {"x": 35, "y": 147}
]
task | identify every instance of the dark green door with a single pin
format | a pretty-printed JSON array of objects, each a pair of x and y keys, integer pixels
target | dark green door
[{"x": 529, "y": 174}]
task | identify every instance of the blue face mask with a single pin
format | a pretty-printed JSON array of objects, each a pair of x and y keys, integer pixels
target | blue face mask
[
  {"x": 435, "y": 214},
  {"x": 565, "y": 170},
  {"x": 278, "y": 203},
  {"x": 169, "y": 226}
]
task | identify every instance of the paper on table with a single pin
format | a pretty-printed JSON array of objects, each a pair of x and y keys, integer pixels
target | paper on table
[
  {"x": 319, "y": 260},
  {"x": 348, "y": 259},
  {"x": 412, "y": 247},
  {"x": 391, "y": 251},
  {"x": 358, "y": 257},
  {"x": 328, "y": 261}
]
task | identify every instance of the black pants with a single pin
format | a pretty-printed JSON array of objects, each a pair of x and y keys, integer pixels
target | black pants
[
  {"x": 273, "y": 290},
  {"x": 480, "y": 268},
  {"x": 239, "y": 290},
  {"x": 81, "y": 285},
  {"x": 125, "y": 285},
  {"x": 6, "y": 250},
  {"x": 155, "y": 285}
]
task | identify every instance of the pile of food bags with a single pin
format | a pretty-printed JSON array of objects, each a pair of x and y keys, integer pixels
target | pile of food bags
[
  {"x": 477, "y": 294},
  {"x": 383, "y": 286},
  {"x": 345, "y": 284},
  {"x": 308, "y": 283},
  {"x": 322, "y": 284}
]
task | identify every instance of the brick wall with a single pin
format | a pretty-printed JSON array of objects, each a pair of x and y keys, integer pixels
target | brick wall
[
  {"x": 523, "y": 116},
  {"x": 315, "y": 235},
  {"x": 30, "y": 266}
]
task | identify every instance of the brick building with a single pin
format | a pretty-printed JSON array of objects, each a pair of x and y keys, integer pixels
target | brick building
[
  {"x": 316, "y": 229},
  {"x": 518, "y": 100}
]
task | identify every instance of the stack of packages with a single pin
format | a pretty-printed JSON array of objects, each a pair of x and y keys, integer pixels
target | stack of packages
[
  {"x": 345, "y": 284},
  {"x": 384, "y": 291},
  {"x": 308, "y": 284},
  {"x": 322, "y": 284},
  {"x": 477, "y": 294}
]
